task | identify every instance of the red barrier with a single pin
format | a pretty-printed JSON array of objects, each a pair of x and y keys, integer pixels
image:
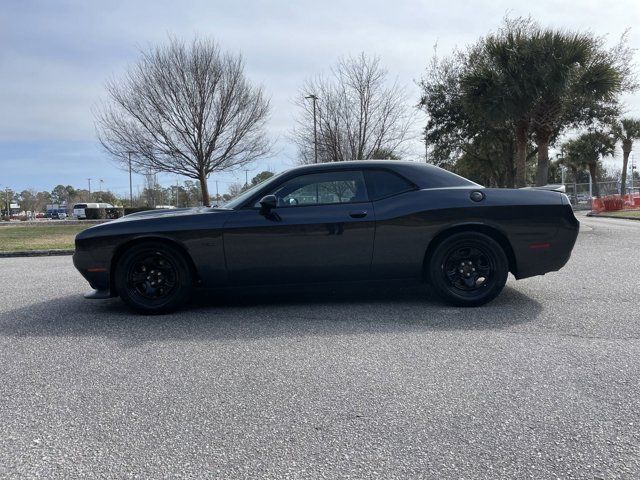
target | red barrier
[{"x": 612, "y": 203}]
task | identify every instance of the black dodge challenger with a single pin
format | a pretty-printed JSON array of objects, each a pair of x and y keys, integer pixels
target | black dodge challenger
[{"x": 348, "y": 221}]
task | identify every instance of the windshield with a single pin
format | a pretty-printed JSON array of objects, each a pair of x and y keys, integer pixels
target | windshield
[{"x": 244, "y": 196}]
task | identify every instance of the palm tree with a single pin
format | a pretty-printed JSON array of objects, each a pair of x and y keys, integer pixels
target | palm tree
[
  {"x": 577, "y": 77},
  {"x": 541, "y": 81},
  {"x": 627, "y": 130},
  {"x": 573, "y": 165},
  {"x": 586, "y": 151},
  {"x": 494, "y": 87}
]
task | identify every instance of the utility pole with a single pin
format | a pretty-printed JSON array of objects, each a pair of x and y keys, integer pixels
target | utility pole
[
  {"x": 89, "y": 180},
  {"x": 426, "y": 146},
  {"x": 246, "y": 177},
  {"x": 6, "y": 191},
  {"x": 130, "y": 184},
  {"x": 314, "y": 99}
]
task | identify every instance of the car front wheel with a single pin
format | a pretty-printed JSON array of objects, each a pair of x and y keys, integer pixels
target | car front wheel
[
  {"x": 153, "y": 278},
  {"x": 468, "y": 269}
]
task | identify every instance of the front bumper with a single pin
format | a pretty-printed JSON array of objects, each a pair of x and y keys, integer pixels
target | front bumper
[
  {"x": 95, "y": 272},
  {"x": 98, "y": 295}
]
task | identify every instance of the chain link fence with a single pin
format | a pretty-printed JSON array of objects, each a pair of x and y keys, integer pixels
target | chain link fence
[{"x": 581, "y": 194}]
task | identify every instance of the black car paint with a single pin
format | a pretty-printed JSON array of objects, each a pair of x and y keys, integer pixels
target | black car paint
[
  {"x": 387, "y": 238},
  {"x": 317, "y": 243}
]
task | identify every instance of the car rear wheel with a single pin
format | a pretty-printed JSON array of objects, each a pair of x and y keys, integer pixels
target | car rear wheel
[
  {"x": 153, "y": 278},
  {"x": 468, "y": 269}
]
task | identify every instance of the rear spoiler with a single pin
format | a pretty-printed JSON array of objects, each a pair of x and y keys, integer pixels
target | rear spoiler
[{"x": 560, "y": 188}]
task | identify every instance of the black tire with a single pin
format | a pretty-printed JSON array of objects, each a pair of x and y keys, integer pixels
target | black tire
[
  {"x": 468, "y": 269},
  {"x": 153, "y": 278}
]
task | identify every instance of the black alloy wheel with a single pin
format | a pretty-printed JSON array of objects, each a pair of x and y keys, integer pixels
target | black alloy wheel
[
  {"x": 153, "y": 278},
  {"x": 468, "y": 269}
]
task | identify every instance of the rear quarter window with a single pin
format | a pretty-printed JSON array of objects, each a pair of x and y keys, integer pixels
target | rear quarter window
[
  {"x": 383, "y": 183},
  {"x": 435, "y": 177}
]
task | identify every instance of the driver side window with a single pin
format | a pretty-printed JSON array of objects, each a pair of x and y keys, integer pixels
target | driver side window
[{"x": 322, "y": 188}]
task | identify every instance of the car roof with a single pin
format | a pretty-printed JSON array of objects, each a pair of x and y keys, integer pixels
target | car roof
[
  {"x": 422, "y": 174},
  {"x": 349, "y": 164}
]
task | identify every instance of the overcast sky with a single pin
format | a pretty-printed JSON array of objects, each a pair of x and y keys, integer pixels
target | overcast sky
[{"x": 56, "y": 55}]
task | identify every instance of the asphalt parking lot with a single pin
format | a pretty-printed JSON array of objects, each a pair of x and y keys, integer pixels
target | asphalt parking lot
[{"x": 371, "y": 383}]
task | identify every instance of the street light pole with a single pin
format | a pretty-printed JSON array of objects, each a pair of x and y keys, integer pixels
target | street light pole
[
  {"x": 89, "y": 180},
  {"x": 314, "y": 99},
  {"x": 6, "y": 191},
  {"x": 426, "y": 146}
]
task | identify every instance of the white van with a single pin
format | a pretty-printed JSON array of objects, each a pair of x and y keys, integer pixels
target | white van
[{"x": 78, "y": 208}]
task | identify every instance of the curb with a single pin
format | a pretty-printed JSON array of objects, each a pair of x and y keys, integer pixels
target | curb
[
  {"x": 612, "y": 216},
  {"x": 36, "y": 253},
  {"x": 49, "y": 223}
]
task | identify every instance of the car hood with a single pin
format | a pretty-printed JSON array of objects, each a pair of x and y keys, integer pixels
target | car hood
[
  {"x": 158, "y": 221},
  {"x": 167, "y": 212}
]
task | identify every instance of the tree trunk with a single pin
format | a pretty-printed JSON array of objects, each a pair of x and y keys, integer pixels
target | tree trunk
[
  {"x": 204, "y": 189},
  {"x": 595, "y": 189},
  {"x": 521, "y": 155},
  {"x": 508, "y": 178},
  {"x": 509, "y": 181},
  {"x": 542, "y": 174},
  {"x": 626, "y": 150}
]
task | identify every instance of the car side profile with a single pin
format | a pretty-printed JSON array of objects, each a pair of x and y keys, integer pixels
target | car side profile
[{"x": 337, "y": 222}]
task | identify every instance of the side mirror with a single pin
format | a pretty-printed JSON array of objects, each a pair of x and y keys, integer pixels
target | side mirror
[{"x": 268, "y": 202}]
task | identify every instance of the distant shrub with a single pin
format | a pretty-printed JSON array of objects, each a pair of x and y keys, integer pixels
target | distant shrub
[
  {"x": 103, "y": 213},
  {"x": 115, "y": 212},
  {"x": 128, "y": 210},
  {"x": 95, "y": 213}
]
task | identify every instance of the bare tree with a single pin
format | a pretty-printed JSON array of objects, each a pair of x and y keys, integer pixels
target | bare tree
[
  {"x": 235, "y": 189},
  {"x": 185, "y": 109},
  {"x": 359, "y": 114}
]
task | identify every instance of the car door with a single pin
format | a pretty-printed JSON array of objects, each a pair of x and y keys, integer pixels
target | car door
[{"x": 322, "y": 229}]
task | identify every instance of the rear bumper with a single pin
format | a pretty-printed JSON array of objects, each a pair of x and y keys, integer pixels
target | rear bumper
[{"x": 549, "y": 252}]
